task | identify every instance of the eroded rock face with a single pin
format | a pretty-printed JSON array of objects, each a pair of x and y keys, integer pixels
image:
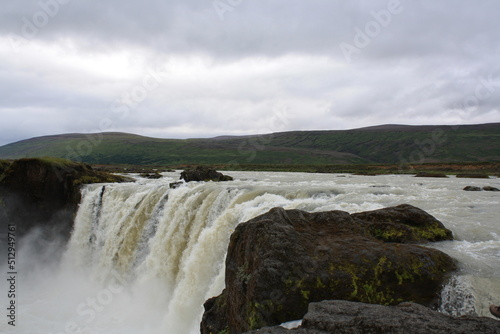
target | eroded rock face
[
  {"x": 279, "y": 262},
  {"x": 45, "y": 192},
  {"x": 4, "y": 164},
  {"x": 343, "y": 317},
  {"x": 202, "y": 173}
]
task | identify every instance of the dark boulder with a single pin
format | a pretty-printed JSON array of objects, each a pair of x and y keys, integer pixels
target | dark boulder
[
  {"x": 486, "y": 188},
  {"x": 427, "y": 174},
  {"x": 472, "y": 188},
  {"x": 343, "y": 317},
  {"x": 153, "y": 175},
  {"x": 473, "y": 176},
  {"x": 4, "y": 164},
  {"x": 202, "y": 173},
  {"x": 45, "y": 192},
  {"x": 175, "y": 185},
  {"x": 404, "y": 224},
  {"x": 281, "y": 261},
  {"x": 489, "y": 188}
]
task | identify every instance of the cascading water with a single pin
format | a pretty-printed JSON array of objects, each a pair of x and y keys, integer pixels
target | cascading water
[
  {"x": 175, "y": 240},
  {"x": 143, "y": 258}
]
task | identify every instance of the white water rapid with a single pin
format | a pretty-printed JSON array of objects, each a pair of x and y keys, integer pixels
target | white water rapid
[{"x": 143, "y": 257}]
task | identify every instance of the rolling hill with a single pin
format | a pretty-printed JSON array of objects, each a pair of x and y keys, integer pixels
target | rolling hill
[{"x": 379, "y": 144}]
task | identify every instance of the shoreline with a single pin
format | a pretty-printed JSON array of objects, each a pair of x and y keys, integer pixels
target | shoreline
[{"x": 453, "y": 168}]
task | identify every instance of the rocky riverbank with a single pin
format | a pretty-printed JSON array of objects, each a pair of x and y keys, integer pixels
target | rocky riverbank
[{"x": 45, "y": 192}]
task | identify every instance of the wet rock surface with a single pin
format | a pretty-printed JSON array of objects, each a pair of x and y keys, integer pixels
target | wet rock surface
[
  {"x": 202, "y": 173},
  {"x": 281, "y": 261},
  {"x": 485, "y": 188},
  {"x": 427, "y": 174},
  {"x": 343, "y": 317}
]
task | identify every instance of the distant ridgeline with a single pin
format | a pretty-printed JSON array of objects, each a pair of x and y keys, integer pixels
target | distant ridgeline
[{"x": 393, "y": 144}]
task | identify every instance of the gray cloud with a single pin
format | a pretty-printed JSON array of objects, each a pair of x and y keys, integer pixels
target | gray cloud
[{"x": 67, "y": 65}]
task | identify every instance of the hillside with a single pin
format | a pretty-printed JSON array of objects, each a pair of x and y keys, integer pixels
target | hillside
[{"x": 379, "y": 144}]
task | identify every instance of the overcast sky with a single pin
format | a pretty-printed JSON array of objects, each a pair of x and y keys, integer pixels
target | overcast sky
[{"x": 181, "y": 69}]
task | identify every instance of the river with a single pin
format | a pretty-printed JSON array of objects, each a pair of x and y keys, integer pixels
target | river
[{"x": 143, "y": 257}]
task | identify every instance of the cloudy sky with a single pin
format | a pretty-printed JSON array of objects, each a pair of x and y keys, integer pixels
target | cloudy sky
[{"x": 181, "y": 69}]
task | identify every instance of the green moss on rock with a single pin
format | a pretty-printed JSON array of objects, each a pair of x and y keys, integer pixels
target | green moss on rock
[
  {"x": 404, "y": 224},
  {"x": 46, "y": 191},
  {"x": 4, "y": 164},
  {"x": 281, "y": 261}
]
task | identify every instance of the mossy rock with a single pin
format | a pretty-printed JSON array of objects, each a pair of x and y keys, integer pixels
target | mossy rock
[
  {"x": 281, "y": 261},
  {"x": 4, "y": 164},
  {"x": 203, "y": 173},
  {"x": 154, "y": 175},
  {"x": 46, "y": 192},
  {"x": 404, "y": 224}
]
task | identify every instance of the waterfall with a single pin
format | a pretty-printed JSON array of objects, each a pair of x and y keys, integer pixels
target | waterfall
[
  {"x": 174, "y": 240},
  {"x": 143, "y": 258}
]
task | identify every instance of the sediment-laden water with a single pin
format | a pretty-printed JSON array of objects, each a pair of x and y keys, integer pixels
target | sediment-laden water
[{"x": 143, "y": 257}]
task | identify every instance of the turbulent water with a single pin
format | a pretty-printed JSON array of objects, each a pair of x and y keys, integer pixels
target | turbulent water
[{"x": 143, "y": 257}]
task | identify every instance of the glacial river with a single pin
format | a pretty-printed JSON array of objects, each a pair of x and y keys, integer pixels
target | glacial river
[{"x": 143, "y": 257}]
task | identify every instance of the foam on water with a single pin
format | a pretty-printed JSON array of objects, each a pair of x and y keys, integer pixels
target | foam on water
[{"x": 143, "y": 257}]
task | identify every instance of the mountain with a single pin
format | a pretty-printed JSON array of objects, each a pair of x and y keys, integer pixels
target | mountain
[{"x": 378, "y": 144}]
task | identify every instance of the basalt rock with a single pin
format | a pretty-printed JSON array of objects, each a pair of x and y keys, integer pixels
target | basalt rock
[
  {"x": 45, "y": 192},
  {"x": 202, "y": 173},
  {"x": 472, "y": 188},
  {"x": 486, "y": 188},
  {"x": 473, "y": 176},
  {"x": 403, "y": 224},
  {"x": 427, "y": 174},
  {"x": 4, "y": 164},
  {"x": 343, "y": 317},
  {"x": 153, "y": 175},
  {"x": 281, "y": 261},
  {"x": 175, "y": 185}
]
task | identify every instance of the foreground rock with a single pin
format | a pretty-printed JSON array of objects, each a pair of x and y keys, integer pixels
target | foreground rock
[
  {"x": 45, "y": 192},
  {"x": 281, "y": 261},
  {"x": 202, "y": 173},
  {"x": 343, "y": 317}
]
